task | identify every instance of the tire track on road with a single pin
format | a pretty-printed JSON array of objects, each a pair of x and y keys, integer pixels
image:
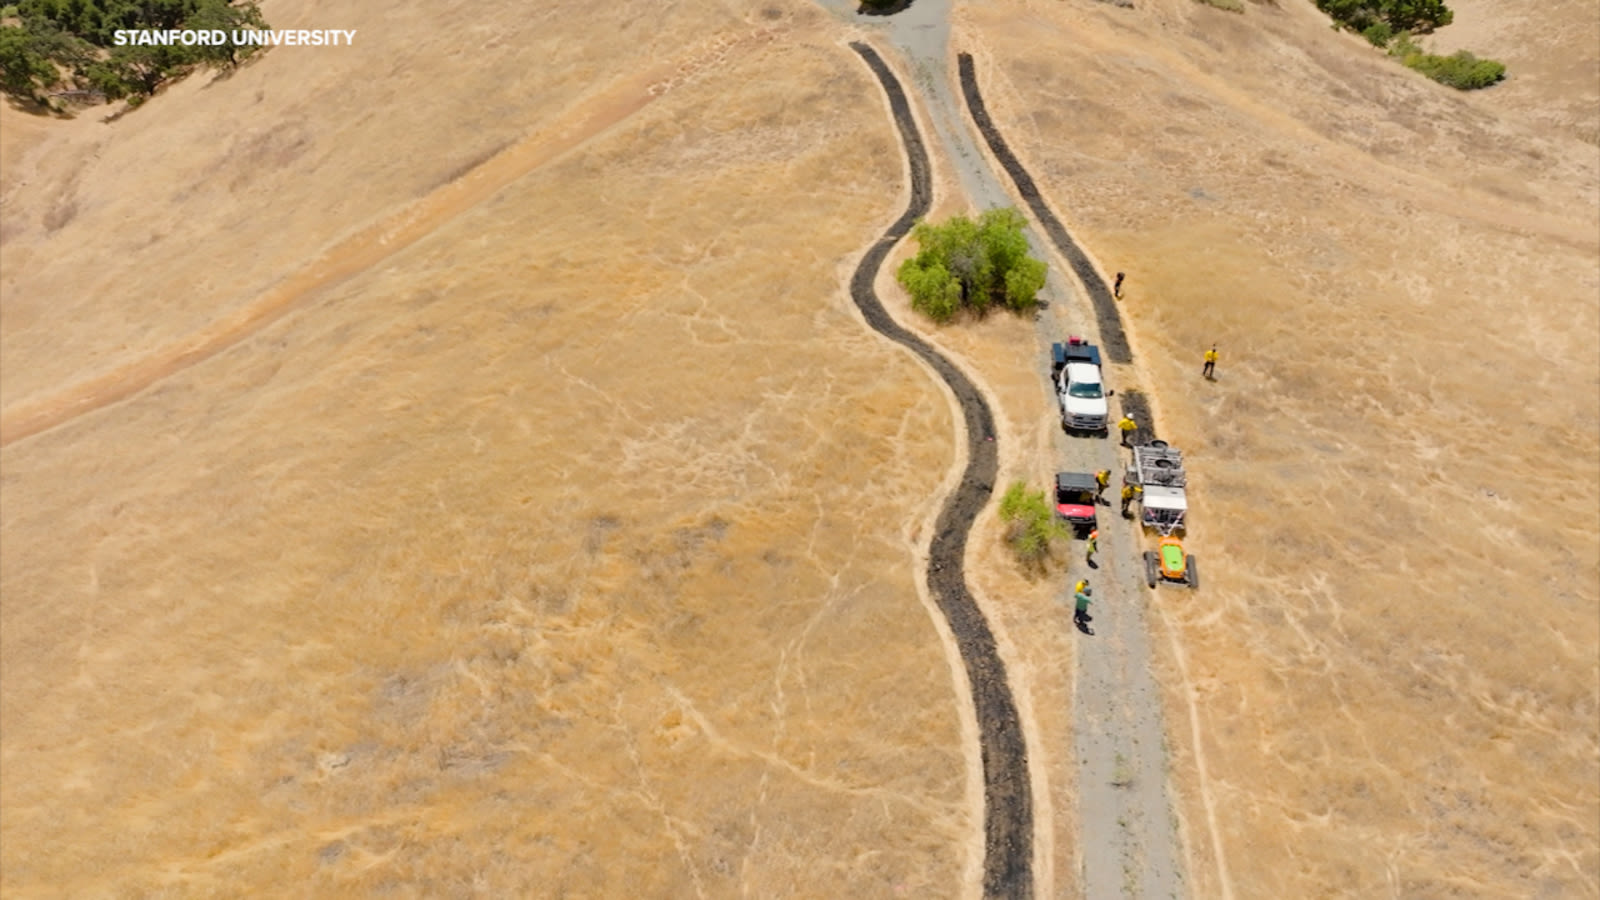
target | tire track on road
[{"x": 1007, "y": 792}]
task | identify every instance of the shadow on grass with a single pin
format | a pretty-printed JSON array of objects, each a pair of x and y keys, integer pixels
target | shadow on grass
[{"x": 33, "y": 106}]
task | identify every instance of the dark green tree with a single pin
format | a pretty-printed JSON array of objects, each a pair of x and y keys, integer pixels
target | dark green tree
[
  {"x": 138, "y": 71},
  {"x": 220, "y": 15},
  {"x": 1416, "y": 16},
  {"x": 25, "y": 66}
]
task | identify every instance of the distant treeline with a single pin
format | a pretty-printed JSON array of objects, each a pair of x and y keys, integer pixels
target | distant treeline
[
  {"x": 51, "y": 45},
  {"x": 1389, "y": 25}
]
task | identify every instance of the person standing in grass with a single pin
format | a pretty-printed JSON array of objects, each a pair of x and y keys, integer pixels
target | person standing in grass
[{"x": 1211, "y": 363}]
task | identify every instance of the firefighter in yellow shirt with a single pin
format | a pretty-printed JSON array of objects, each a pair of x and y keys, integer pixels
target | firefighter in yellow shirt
[
  {"x": 1211, "y": 362},
  {"x": 1102, "y": 479},
  {"x": 1129, "y": 491},
  {"x": 1127, "y": 426}
]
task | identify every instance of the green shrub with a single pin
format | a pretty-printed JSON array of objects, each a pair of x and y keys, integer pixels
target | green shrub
[
  {"x": 973, "y": 265},
  {"x": 1229, "y": 5},
  {"x": 1460, "y": 70},
  {"x": 1031, "y": 525},
  {"x": 1378, "y": 34}
]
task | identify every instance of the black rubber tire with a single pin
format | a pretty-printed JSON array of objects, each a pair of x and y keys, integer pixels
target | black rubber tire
[
  {"x": 1150, "y": 569},
  {"x": 1156, "y": 444},
  {"x": 1193, "y": 572}
]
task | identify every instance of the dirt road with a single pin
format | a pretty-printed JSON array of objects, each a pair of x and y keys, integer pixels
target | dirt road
[
  {"x": 1120, "y": 734},
  {"x": 1128, "y": 846}
]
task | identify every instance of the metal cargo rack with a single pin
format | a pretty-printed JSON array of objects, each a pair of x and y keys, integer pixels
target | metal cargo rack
[{"x": 1156, "y": 463}]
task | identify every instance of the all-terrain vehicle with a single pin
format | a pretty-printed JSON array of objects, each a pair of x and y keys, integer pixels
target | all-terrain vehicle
[
  {"x": 1170, "y": 565},
  {"x": 1075, "y": 500}
]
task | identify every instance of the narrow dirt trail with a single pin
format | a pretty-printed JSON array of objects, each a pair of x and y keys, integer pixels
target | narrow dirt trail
[
  {"x": 1007, "y": 789},
  {"x": 378, "y": 241}
]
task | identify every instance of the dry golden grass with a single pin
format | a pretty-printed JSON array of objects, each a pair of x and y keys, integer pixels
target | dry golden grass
[
  {"x": 1395, "y": 475},
  {"x": 567, "y": 550}
]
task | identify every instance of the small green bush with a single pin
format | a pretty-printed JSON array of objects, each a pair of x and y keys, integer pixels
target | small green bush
[
  {"x": 1031, "y": 524},
  {"x": 1378, "y": 34},
  {"x": 1460, "y": 70},
  {"x": 1229, "y": 5}
]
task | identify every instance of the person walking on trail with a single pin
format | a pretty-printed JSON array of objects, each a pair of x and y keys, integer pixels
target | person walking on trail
[
  {"x": 1080, "y": 608},
  {"x": 1211, "y": 362},
  {"x": 1116, "y": 289},
  {"x": 1127, "y": 426},
  {"x": 1092, "y": 547},
  {"x": 1102, "y": 480},
  {"x": 1129, "y": 491}
]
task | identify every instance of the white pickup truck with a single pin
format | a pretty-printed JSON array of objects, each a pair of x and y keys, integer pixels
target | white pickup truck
[{"x": 1079, "y": 390}]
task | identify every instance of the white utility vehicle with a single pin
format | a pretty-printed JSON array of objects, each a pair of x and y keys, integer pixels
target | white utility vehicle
[{"x": 1079, "y": 389}]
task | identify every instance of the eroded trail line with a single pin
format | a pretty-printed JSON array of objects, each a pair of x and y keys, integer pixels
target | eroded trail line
[
  {"x": 1113, "y": 341},
  {"x": 1007, "y": 794},
  {"x": 376, "y": 242}
]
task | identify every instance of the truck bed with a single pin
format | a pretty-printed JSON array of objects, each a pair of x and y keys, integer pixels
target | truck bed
[{"x": 1066, "y": 352}]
